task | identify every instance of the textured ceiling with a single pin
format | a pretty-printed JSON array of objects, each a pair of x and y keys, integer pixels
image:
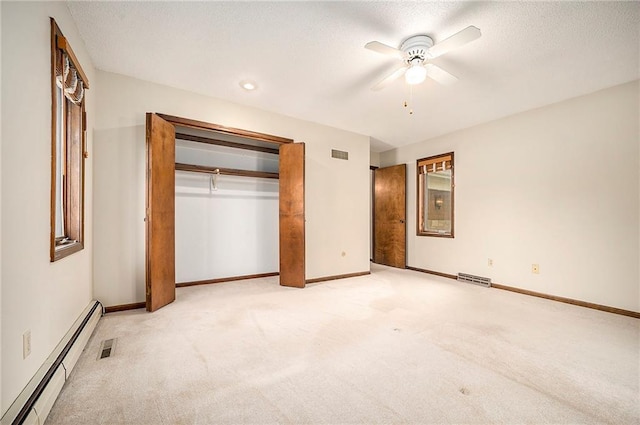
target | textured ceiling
[{"x": 309, "y": 61}]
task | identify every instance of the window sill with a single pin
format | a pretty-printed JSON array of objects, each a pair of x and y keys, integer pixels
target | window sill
[
  {"x": 435, "y": 234},
  {"x": 63, "y": 251}
]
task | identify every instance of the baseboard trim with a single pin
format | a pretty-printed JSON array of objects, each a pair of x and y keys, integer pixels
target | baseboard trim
[
  {"x": 54, "y": 372},
  {"x": 594, "y": 306},
  {"x": 565, "y": 300},
  {"x": 225, "y": 279},
  {"x": 124, "y": 307},
  {"x": 336, "y": 277},
  {"x": 416, "y": 269}
]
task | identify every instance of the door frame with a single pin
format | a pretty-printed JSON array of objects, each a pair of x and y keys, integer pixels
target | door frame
[
  {"x": 372, "y": 213},
  {"x": 277, "y": 141}
]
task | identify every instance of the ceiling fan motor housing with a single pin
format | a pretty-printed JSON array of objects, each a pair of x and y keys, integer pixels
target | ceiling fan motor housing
[{"x": 416, "y": 47}]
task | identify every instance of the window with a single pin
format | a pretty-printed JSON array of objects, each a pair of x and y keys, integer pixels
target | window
[
  {"x": 68, "y": 142},
  {"x": 435, "y": 196}
]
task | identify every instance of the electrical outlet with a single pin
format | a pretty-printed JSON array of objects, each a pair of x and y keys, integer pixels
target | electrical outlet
[
  {"x": 535, "y": 269},
  {"x": 26, "y": 344},
  {"x": 490, "y": 262}
]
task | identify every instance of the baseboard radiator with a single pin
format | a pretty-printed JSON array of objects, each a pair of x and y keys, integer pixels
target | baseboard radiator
[
  {"x": 35, "y": 402},
  {"x": 476, "y": 280}
]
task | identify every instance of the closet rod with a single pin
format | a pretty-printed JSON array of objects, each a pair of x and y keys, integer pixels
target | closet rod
[{"x": 226, "y": 171}]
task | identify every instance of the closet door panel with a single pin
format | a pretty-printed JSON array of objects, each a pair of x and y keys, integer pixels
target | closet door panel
[
  {"x": 292, "y": 232},
  {"x": 160, "y": 213}
]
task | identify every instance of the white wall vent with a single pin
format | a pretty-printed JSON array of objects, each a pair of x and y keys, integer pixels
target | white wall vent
[
  {"x": 476, "y": 280},
  {"x": 339, "y": 154}
]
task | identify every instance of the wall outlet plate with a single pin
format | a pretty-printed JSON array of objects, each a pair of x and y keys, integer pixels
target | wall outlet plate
[{"x": 26, "y": 344}]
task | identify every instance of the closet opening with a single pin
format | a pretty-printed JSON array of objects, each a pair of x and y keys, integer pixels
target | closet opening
[
  {"x": 227, "y": 209},
  {"x": 222, "y": 204}
]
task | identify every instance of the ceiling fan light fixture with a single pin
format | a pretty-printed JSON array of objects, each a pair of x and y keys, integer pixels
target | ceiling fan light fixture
[{"x": 415, "y": 74}]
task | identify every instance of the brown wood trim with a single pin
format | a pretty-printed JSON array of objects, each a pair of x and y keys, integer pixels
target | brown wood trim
[
  {"x": 594, "y": 306},
  {"x": 586, "y": 304},
  {"x": 63, "y": 44},
  {"x": 254, "y": 135},
  {"x": 225, "y": 279},
  {"x": 54, "y": 118},
  {"x": 83, "y": 165},
  {"x": 420, "y": 203},
  {"x": 59, "y": 253},
  {"x": 336, "y": 277},
  {"x": 124, "y": 307},
  {"x": 435, "y": 159},
  {"x": 435, "y": 235},
  {"x": 416, "y": 269},
  {"x": 73, "y": 188},
  {"x": 226, "y": 171},
  {"x": 372, "y": 229},
  {"x": 218, "y": 142}
]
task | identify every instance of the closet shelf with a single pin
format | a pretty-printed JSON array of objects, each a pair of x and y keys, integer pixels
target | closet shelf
[
  {"x": 218, "y": 142},
  {"x": 226, "y": 171}
]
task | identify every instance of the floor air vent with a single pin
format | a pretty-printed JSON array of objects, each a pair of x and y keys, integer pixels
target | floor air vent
[
  {"x": 476, "y": 280},
  {"x": 106, "y": 348}
]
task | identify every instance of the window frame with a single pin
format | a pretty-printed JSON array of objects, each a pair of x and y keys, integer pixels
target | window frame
[
  {"x": 420, "y": 230},
  {"x": 72, "y": 170}
]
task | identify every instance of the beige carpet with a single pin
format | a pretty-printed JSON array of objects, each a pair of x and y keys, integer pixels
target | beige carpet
[{"x": 393, "y": 347}]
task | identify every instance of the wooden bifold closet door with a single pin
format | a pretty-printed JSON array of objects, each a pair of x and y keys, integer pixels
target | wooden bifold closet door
[
  {"x": 160, "y": 213},
  {"x": 160, "y": 208},
  {"x": 292, "y": 233}
]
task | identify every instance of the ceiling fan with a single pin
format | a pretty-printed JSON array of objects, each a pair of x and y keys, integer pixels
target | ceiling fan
[{"x": 416, "y": 51}]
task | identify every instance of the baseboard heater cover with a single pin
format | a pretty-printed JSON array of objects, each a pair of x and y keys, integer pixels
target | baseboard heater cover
[
  {"x": 33, "y": 405},
  {"x": 476, "y": 280}
]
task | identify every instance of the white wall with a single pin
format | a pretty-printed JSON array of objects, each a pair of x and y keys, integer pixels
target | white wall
[
  {"x": 37, "y": 295},
  {"x": 374, "y": 159},
  {"x": 1, "y": 116},
  {"x": 336, "y": 197},
  {"x": 557, "y": 186},
  {"x": 231, "y": 229},
  {"x": 228, "y": 232}
]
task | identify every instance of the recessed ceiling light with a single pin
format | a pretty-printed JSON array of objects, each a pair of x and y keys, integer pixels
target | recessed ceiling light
[{"x": 248, "y": 85}]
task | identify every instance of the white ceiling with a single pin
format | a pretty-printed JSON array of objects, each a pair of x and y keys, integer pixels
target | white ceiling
[{"x": 309, "y": 61}]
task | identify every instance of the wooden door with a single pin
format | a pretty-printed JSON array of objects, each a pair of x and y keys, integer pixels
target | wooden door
[
  {"x": 292, "y": 267},
  {"x": 390, "y": 233},
  {"x": 160, "y": 213}
]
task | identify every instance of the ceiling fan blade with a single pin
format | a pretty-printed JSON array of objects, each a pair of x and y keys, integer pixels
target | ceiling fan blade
[
  {"x": 465, "y": 36},
  {"x": 439, "y": 75},
  {"x": 376, "y": 46},
  {"x": 390, "y": 78}
]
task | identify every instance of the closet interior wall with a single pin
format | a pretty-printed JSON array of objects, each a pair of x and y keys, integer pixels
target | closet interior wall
[{"x": 227, "y": 221}]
